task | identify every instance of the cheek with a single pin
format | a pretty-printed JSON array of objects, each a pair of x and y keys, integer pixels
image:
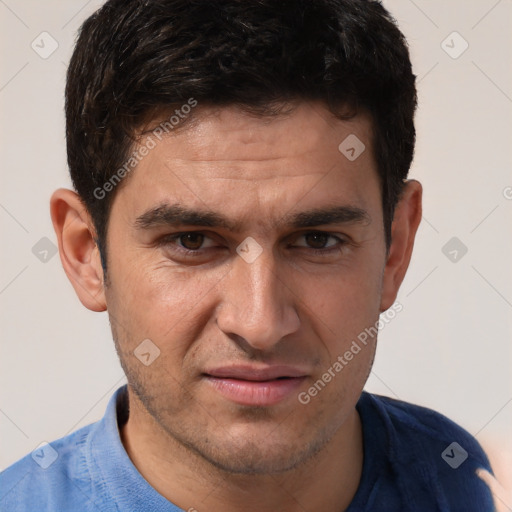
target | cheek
[
  {"x": 166, "y": 305},
  {"x": 342, "y": 315},
  {"x": 344, "y": 302}
]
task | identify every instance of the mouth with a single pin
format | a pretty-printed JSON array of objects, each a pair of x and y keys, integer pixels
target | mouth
[{"x": 253, "y": 386}]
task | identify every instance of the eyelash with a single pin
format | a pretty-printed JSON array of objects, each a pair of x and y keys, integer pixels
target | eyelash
[{"x": 171, "y": 239}]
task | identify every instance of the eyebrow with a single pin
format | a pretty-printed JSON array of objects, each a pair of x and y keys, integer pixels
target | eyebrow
[{"x": 177, "y": 215}]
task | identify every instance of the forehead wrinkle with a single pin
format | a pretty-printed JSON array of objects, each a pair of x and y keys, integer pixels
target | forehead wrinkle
[{"x": 182, "y": 167}]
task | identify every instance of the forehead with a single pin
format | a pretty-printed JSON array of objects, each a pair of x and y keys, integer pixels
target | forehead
[
  {"x": 248, "y": 165},
  {"x": 225, "y": 134}
]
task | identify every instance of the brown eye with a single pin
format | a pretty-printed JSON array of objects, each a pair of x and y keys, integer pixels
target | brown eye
[
  {"x": 317, "y": 240},
  {"x": 187, "y": 243},
  {"x": 320, "y": 242},
  {"x": 192, "y": 241}
]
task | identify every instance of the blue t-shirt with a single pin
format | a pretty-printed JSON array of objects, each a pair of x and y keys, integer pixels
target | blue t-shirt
[{"x": 414, "y": 460}]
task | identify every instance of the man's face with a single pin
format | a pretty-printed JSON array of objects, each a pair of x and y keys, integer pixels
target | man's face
[{"x": 223, "y": 318}]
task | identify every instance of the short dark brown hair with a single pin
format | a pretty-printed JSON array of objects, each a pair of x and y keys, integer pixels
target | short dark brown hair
[{"x": 135, "y": 59}]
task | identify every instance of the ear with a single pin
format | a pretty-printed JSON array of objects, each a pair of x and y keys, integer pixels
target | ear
[
  {"x": 78, "y": 251},
  {"x": 403, "y": 231}
]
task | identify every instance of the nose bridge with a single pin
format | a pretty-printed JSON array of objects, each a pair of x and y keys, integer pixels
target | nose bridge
[
  {"x": 262, "y": 297},
  {"x": 256, "y": 304}
]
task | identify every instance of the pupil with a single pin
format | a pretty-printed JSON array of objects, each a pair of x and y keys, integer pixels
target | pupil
[
  {"x": 316, "y": 240},
  {"x": 192, "y": 241}
]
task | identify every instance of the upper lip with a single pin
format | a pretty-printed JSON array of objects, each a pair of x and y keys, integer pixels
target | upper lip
[{"x": 255, "y": 373}]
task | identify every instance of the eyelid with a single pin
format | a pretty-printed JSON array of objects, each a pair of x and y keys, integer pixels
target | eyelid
[
  {"x": 341, "y": 240},
  {"x": 173, "y": 238}
]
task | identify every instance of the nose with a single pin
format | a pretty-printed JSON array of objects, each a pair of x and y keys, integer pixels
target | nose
[{"x": 256, "y": 304}]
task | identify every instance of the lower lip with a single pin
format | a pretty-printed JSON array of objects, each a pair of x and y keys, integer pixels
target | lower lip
[{"x": 256, "y": 393}]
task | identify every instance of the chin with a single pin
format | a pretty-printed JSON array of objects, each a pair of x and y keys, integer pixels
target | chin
[
  {"x": 252, "y": 460},
  {"x": 261, "y": 455}
]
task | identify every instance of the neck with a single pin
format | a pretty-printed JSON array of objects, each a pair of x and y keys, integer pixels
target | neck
[{"x": 327, "y": 482}]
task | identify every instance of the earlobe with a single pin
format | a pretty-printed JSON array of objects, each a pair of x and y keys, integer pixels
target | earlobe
[
  {"x": 78, "y": 251},
  {"x": 403, "y": 232}
]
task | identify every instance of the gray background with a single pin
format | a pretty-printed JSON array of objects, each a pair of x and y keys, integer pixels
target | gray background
[{"x": 449, "y": 349}]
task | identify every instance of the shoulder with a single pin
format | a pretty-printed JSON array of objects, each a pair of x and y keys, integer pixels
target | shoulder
[
  {"x": 432, "y": 455},
  {"x": 418, "y": 424},
  {"x": 43, "y": 479}
]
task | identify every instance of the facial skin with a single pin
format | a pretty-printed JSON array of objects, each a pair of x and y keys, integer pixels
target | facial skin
[{"x": 290, "y": 306}]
